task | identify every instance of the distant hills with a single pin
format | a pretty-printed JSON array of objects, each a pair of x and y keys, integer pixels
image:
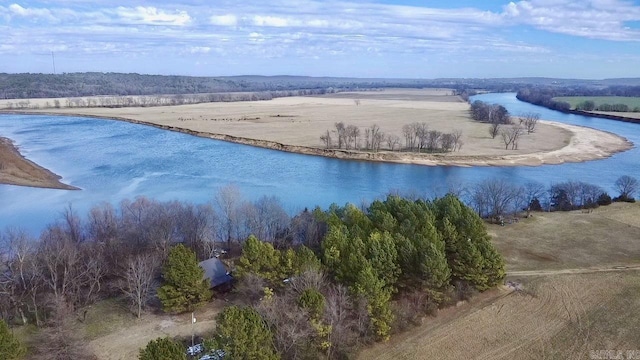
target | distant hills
[{"x": 17, "y": 86}]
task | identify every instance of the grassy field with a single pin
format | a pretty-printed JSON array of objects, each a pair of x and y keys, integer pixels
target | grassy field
[
  {"x": 631, "y": 102},
  {"x": 561, "y": 315}
]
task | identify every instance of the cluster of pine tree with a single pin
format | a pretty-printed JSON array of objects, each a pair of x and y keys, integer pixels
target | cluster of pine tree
[{"x": 377, "y": 255}]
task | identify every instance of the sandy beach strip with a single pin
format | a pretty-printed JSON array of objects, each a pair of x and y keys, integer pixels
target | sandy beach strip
[{"x": 15, "y": 169}]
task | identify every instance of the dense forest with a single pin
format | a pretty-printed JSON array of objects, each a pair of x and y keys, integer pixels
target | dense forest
[{"x": 22, "y": 86}]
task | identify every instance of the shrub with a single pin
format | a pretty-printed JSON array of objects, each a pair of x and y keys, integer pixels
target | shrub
[
  {"x": 163, "y": 348},
  {"x": 604, "y": 199}
]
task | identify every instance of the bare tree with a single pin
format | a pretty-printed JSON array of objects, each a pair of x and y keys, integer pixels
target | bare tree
[
  {"x": 393, "y": 141},
  {"x": 376, "y": 137},
  {"x": 59, "y": 341},
  {"x": 228, "y": 200},
  {"x": 409, "y": 133},
  {"x": 292, "y": 328},
  {"x": 494, "y": 129},
  {"x": 326, "y": 139},
  {"x": 510, "y": 136},
  {"x": 626, "y": 186},
  {"x": 340, "y": 133},
  {"x": 447, "y": 142},
  {"x": 494, "y": 197},
  {"x": 529, "y": 120},
  {"x": 139, "y": 281},
  {"x": 352, "y": 132},
  {"x": 422, "y": 134},
  {"x": 432, "y": 140},
  {"x": 457, "y": 140}
]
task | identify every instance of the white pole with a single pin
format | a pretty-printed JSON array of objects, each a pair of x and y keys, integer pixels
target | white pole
[{"x": 193, "y": 321}]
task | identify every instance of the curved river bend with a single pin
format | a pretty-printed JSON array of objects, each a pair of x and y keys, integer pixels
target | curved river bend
[{"x": 114, "y": 160}]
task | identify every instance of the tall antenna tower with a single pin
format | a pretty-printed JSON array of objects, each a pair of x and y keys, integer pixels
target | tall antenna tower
[{"x": 53, "y": 59}]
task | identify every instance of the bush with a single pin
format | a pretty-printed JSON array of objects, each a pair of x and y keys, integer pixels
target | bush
[
  {"x": 622, "y": 198},
  {"x": 535, "y": 205},
  {"x": 10, "y": 347},
  {"x": 604, "y": 199},
  {"x": 163, "y": 348}
]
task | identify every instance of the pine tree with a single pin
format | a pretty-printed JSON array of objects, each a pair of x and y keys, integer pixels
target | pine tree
[
  {"x": 10, "y": 347},
  {"x": 262, "y": 259},
  {"x": 243, "y": 334},
  {"x": 163, "y": 348},
  {"x": 185, "y": 287}
]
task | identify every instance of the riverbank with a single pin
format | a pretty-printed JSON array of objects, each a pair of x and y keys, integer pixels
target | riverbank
[
  {"x": 295, "y": 124},
  {"x": 15, "y": 169}
]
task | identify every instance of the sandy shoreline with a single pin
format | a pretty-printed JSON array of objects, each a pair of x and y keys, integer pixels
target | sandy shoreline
[
  {"x": 15, "y": 169},
  {"x": 295, "y": 124}
]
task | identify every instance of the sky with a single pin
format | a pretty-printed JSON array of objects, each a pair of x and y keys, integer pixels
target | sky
[{"x": 590, "y": 39}]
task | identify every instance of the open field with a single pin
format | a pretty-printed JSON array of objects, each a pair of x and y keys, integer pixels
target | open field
[
  {"x": 113, "y": 333},
  {"x": 577, "y": 294},
  {"x": 631, "y": 102},
  {"x": 608, "y": 236},
  {"x": 295, "y": 124},
  {"x": 553, "y": 317},
  {"x": 633, "y": 115}
]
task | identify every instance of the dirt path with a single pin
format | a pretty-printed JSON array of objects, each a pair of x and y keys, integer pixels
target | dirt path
[
  {"x": 126, "y": 343},
  {"x": 573, "y": 271}
]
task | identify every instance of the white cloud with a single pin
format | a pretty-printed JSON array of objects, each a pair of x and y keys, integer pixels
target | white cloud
[
  {"x": 596, "y": 19},
  {"x": 224, "y": 20},
  {"x": 33, "y": 13},
  {"x": 152, "y": 16},
  {"x": 273, "y": 21},
  {"x": 200, "y": 50}
]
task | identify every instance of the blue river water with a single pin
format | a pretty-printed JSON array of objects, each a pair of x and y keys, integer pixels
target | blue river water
[{"x": 113, "y": 160}]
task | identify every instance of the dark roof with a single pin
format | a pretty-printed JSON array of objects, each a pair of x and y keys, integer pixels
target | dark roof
[{"x": 215, "y": 272}]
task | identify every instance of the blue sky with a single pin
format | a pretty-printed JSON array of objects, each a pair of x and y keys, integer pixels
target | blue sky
[{"x": 358, "y": 38}]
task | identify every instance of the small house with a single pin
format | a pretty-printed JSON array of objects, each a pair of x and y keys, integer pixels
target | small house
[{"x": 216, "y": 272}]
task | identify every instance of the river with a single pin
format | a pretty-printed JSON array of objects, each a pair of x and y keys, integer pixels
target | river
[{"x": 113, "y": 160}]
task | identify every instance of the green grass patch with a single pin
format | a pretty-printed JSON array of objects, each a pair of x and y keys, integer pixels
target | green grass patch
[
  {"x": 631, "y": 102},
  {"x": 105, "y": 317}
]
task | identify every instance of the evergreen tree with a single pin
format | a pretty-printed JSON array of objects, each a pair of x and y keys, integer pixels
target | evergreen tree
[
  {"x": 243, "y": 334},
  {"x": 163, "y": 349},
  {"x": 185, "y": 287},
  {"x": 312, "y": 300},
  {"x": 470, "y": 253},
  {"x": 10, "y": 347},
  {"x": 262, "y": 259}
]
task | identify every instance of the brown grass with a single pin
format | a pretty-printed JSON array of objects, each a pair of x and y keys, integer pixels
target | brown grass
[
  {"x": 555, "y": 317},
  {"x": 565, "y": 314},
  {"x": 16, "y": 170},
  {"x": 608, "y": 236}
]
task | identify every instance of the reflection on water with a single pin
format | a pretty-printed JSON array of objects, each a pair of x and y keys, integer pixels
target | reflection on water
[{"x": 113, "y": 160}]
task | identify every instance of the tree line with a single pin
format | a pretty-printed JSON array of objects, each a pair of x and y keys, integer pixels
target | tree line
[
  {"x": 417, "y": 138},
  {"x": 164, "y": 100},
  {"x": 590, "y": 105},
  {"x": 497, "y": 198}
]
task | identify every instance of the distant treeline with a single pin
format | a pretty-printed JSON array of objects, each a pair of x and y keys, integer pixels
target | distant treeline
[
  {"x": 544, "y": 96},
  {"x": 22, "y": 86}
]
